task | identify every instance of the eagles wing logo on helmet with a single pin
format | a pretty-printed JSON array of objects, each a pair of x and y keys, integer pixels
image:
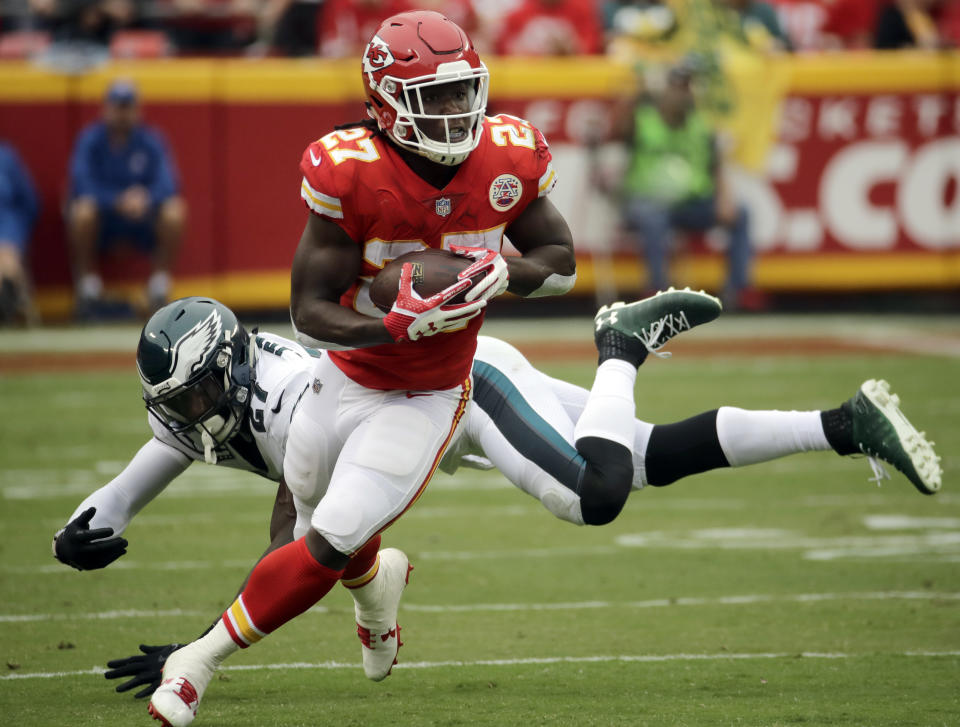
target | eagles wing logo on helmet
[
  {"x": 190, "y": 352},
  {"x": 377, "y": 57}
]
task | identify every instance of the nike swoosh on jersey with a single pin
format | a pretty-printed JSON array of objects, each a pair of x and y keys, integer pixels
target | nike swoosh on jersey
[
  {"x": 411, "y": 394},
  {"x": 316, "y": 160},
  {"x": 276, "y": 409}
]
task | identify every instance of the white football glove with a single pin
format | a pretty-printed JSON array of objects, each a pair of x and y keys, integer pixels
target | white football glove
[
  {"x": 496, "y": 279},
  {"x": 413, "y": 317}
]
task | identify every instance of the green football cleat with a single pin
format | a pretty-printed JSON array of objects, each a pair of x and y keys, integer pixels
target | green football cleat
[
  {"x": 655, "y": 320},
  {"x": 882, "y": 432}
]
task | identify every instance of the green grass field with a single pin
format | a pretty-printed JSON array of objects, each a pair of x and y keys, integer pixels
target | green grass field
[{"x": 794, "y": 592}]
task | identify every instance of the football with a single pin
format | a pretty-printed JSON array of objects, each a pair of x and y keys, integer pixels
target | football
[{"x": 433, "y": 270}]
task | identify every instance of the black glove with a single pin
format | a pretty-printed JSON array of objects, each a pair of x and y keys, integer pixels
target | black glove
[
  {"x": 84, "y": 549},
  {"x": 145, "y": 669}
]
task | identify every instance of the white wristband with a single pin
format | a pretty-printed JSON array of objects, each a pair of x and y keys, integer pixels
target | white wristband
[{"x": 555, "y": 284}]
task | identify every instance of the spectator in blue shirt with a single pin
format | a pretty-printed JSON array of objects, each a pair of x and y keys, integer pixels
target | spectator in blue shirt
[
  {"x": 18, "y": 211},
  {"x": 124, "y": 189}
]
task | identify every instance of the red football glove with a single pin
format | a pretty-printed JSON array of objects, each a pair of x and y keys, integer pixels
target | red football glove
[
  {"x": 496, "y": 279},
  {"x": 413, "y": 317}
]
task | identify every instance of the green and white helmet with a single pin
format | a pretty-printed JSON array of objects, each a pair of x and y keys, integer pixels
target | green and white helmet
[{"x": 194, "y": 364}]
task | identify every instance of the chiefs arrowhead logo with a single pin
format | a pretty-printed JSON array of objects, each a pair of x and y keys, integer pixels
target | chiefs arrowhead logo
[{"x": 377, "y": 56}]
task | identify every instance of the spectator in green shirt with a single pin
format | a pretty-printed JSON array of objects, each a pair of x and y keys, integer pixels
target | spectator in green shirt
[{"x": 676, "y": 181}]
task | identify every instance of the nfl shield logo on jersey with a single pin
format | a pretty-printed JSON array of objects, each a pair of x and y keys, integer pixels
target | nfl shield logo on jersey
[
  {"x": 443, "y": 206},
  {"x": 505, "y": 192},
  {"x": 317, "y": 385}
]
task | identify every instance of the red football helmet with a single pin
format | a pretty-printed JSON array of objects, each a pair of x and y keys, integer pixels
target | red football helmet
[{"x": 411, "y": 52}]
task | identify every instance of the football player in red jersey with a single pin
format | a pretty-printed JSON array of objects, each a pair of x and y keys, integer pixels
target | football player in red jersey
[
  {"x": 430, "y": 171},
  {"x": 526, "y": 424}
]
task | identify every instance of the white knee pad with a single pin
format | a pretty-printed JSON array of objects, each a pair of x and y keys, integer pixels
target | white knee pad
[{"x": 343, "y": 521}]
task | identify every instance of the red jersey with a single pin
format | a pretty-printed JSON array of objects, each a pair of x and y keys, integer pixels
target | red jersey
[{"x": 356, "y": 178}]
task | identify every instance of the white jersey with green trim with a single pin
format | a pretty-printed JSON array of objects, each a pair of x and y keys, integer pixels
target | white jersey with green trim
[{"x": 281, "y": 373}]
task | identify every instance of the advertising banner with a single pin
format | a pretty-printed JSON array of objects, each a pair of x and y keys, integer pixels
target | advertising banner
[{"x": 860, "y": 188}]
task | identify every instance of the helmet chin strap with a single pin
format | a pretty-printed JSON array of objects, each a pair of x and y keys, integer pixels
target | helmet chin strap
[
  {"x": 217, "y": 424},
  {"x": 209, "y": 455}
]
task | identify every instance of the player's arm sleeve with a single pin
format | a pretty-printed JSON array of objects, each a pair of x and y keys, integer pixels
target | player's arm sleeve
[
  {"x": 152, "y": 468},
  {"x": 83, "y": 178}
]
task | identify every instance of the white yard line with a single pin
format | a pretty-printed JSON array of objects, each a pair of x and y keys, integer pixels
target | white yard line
[
  {"x": 909, "y": 522},
  {"x": 626, "y": 658},
  {"x": 937, "y": 540},
  {"x": 174, "y": 565},
  {"x": 738, "y": 600},
  {"x": 744, "y": 600},
  {"x": 932, "y": 542},
  {"x": 168, "y": 565},
  {"x": 936, "y": 545},
  {"x": 98, "y": 616}
]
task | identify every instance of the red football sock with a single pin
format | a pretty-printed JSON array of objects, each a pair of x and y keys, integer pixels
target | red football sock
[
  {"x": 363, "y": 565},
  {"x": 283, "y": 585}
]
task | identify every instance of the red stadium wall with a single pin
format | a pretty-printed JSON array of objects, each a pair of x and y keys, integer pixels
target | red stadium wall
[{"x": 861, "y": 190}]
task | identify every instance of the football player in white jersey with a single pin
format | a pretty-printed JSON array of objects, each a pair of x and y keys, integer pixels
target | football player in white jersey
[
  {"x": 214, "y": 393},
  {"x": 217, "y": 394},
  {"x": 520, "y": 420}
]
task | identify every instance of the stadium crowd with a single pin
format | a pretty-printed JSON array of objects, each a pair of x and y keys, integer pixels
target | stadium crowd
[
  {"x": 339, "y": 28},
  {"x": 682, "y": 154}
]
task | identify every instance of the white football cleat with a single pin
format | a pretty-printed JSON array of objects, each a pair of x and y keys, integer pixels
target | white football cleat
[
  {"x": 185, "y": 679},
  {"x": 377, "y": 624}
]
